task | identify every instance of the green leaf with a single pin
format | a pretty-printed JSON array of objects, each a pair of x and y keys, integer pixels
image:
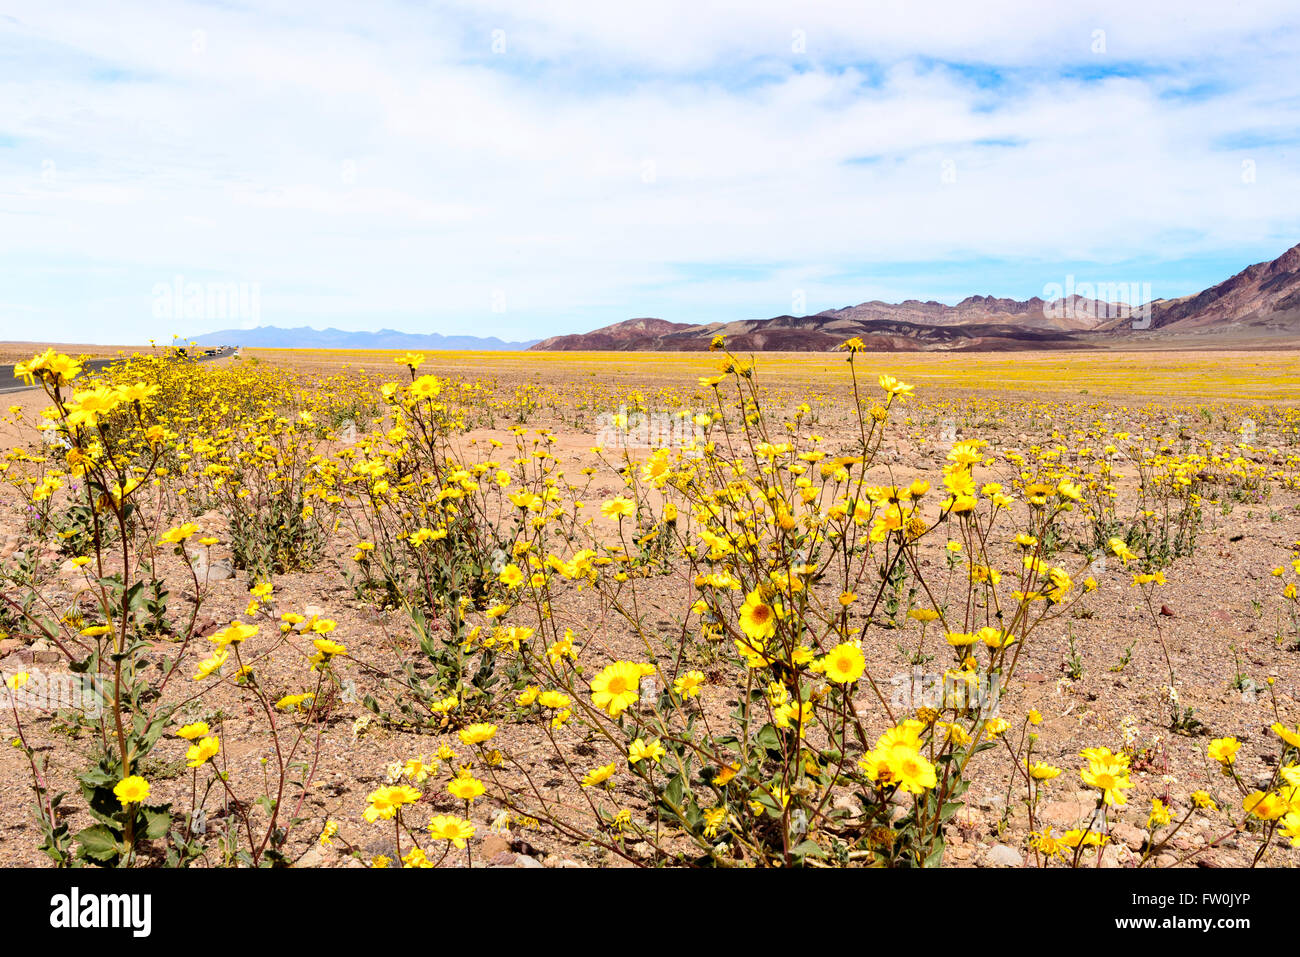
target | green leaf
[
  {"x": 157, "y": 820},
  {"x": 694, "y": 816},
  {"x": 103, "y": 806},
  {"x": 768, "y": 738},
  {"x": 673, "y": 793},
  {"x": 95, "y": 777},
  {"x": 808, "y": 848},
  {"x": 135, "y": 595},
  {"x": 98, "y": 843},
  {"x": 949, "y": 809}
]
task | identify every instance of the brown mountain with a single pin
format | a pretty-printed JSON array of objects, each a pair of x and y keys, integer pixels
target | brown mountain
[
  {"x": 1260, "y": 300},
  {"x": 819, "y": 334},
  {"x": 1263, "y": 297},
  {"x": 620, "y": 336},
  {"x": 1079, "y": 314}
]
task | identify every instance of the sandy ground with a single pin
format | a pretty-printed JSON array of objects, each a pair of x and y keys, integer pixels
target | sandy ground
[{"x": 1225, "y": 622}]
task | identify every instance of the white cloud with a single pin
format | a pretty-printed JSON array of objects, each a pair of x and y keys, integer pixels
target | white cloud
[{"x": 379, "y": 165}]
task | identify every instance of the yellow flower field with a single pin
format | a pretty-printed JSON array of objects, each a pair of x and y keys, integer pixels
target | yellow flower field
[
  {"x": 323, "y": 608},
  {"x": 1257, "y": 375}
]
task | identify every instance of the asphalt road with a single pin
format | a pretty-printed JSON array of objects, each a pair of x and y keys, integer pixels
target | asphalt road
[{"x": 9, "y": 384}]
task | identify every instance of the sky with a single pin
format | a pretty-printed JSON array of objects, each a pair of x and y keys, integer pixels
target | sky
[{"x": 529, "y": 168}]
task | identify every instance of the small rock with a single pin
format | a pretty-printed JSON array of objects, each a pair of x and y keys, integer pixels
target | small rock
[
  {"x": 1131, "y": 836},
  {"x": 1000, "y": 855},
  {"x": 968, "y": 817},
  {"x": 523, "y": 860},
  {"x": 18, "y": 661},
  {"x": 1063, "y": 813},
  {"x": 841, "y": 802},
  {"x": 492, "y": 845},
  {"x": 212, "y": 521},
  {"x": 315, "y": 857},
  {"x": 1112, "y": 855}
]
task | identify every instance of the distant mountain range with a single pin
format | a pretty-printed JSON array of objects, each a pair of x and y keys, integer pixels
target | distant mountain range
[
  {"x": 1260, "y": 302},
  {"x": 305, "y": 337}
]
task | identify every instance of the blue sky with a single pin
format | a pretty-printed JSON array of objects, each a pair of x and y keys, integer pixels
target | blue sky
[{"x": 521, "y": 169}]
